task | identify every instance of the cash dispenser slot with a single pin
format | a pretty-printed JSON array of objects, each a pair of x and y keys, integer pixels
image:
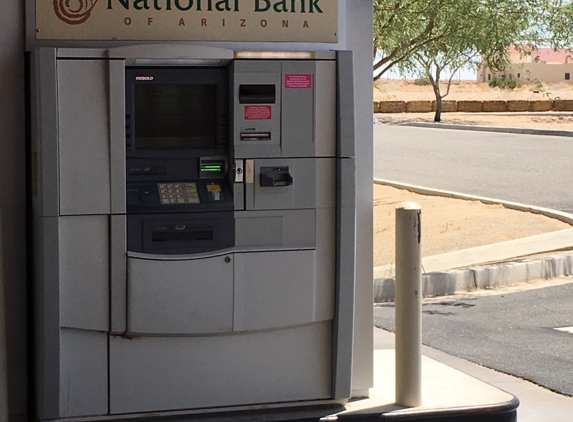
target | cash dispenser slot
[
  {"x": 186, "y": 233},
  {"x": 147, "y": 171},
  {"x": 181, "y": 232},
  {"x": 275, "y": 176}
]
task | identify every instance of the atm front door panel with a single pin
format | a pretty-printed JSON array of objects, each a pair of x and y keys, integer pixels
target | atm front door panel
[{"x": 180, "y": 297}]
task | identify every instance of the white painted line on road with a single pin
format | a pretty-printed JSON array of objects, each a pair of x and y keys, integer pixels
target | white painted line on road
[{"x": 565, "y": 329}]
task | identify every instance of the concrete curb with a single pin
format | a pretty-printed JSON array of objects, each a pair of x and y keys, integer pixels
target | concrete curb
[
  {"x": 522, "y": 131},
  {"x": 442, "y": 283},
  {"x": 468, "y": 279},
  {"x": 559, "y": 215}
]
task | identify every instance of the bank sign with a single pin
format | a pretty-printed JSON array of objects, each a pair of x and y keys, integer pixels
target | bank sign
[{"x": 172, "y": 20}]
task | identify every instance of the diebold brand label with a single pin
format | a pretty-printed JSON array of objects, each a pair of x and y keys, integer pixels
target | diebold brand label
[{"x": 231, "y": 20}]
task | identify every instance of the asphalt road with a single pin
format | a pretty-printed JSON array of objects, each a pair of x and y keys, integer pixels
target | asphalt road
[
  {"x": 531, "y": 169},
  {"x": 513, "y": 333}
]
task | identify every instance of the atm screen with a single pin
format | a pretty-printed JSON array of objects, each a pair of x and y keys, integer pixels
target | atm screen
[{"x": 175, "y": 116}]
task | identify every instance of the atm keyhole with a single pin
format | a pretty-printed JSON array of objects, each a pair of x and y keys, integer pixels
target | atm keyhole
[{"x": 227, "y": 259}]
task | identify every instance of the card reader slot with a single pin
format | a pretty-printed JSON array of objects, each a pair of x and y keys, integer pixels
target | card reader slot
[{"x": 255, "y": 136}]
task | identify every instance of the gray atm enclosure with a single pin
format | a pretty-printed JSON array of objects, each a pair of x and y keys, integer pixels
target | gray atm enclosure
[{"x": 267, "y": 322}]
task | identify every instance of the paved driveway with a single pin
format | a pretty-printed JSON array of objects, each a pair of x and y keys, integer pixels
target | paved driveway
[
  {"x": 531, "y": 169},
  {"x": 528, "y": 334}
]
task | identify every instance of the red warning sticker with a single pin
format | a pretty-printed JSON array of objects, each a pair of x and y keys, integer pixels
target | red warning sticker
[
  {"x": 298, "y": 80},
  {"x": 258, "y": 112}
]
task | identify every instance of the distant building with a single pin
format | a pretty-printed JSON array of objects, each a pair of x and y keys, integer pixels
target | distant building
[{"x": 542, "y": 64}]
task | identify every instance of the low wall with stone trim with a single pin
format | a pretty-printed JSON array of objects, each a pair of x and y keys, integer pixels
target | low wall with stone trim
[{"x": 471, "y": 106}]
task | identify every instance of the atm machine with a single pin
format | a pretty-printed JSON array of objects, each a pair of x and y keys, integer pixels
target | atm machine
[{"x": 193, "y": 230}]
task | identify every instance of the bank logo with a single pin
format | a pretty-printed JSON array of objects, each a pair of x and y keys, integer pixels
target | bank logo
[{"x": 74, "y": 12}]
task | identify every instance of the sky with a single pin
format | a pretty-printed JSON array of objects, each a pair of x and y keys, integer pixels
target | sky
[{"x": 463, "y": 74}]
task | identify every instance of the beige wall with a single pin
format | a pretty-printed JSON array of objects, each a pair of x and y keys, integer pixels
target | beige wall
[{"x": 542, "y": 72}]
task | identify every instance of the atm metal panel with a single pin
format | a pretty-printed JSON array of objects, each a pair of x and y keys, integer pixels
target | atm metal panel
[
  {"x": 346, "y": 110},
  {"x": 259, "y": 230},
  {"x": 84, "y": 367},
  {"x": 298, "y": 102},
  {"x": 118, "y": 273},
  {"x": 274, "y": 289},
  {"x": 276, "y": 228},
  {"x": 325, "y": 284},
  {"x": 44, "y": 132},
  {"x": 47, "y": 315},
  {"x": 84, "y": 153},
  {"x": 84, "y": 272},
  {"x": 325, "y": 109},
  {"x": 300, "y": 194},
  {"x": 345, "y": 275},
  {"x": 180, "y": 296},
  {"x": 152, "y": 374},
  {"x": 325, "y": 182},
  {"x": 116, "y": 70},
  {"x": 249, "y": 122}
]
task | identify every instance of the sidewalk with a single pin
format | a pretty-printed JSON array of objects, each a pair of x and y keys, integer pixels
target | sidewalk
[
  {"x": 447, "y": 393},
  {"x": 470, "y": 381}
]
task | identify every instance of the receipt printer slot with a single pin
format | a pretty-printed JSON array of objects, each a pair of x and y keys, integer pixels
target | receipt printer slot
[
  {"x": 275, "y": 176},
  {"x": 255, "y": 136}
]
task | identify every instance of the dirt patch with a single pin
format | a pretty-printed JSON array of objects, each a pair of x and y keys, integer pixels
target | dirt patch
[
  {"x": 549, "y": 120},
  {"x": 397, "y": 89},
  {"x": 452, "y": 224}
]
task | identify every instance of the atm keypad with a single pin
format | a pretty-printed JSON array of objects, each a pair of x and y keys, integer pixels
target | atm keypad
[{"x": 178, "y": 193}]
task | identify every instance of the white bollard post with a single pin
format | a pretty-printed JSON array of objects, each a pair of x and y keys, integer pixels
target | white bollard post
[{"x": 408, "y": 305}]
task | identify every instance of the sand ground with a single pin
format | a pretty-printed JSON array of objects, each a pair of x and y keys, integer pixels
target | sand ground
[
  {"x": 397, "y": 89},
  {"x": 548, "y": 120},
  {"x": 452, "y": 224}
]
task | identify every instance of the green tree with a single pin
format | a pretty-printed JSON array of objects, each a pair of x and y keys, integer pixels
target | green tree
[
  {"x": 488, "y": 27},
  {"x": 401, "y": 27},
  {"x": 558, "y": 24},
  {"x": 431, "y": 63},
  {"x": 430, "y": 37}
]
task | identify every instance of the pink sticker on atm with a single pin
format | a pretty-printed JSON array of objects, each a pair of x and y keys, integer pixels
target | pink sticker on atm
[
  {"x": 258, "y": 112},
  {"x": 298, "y": 80}
]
